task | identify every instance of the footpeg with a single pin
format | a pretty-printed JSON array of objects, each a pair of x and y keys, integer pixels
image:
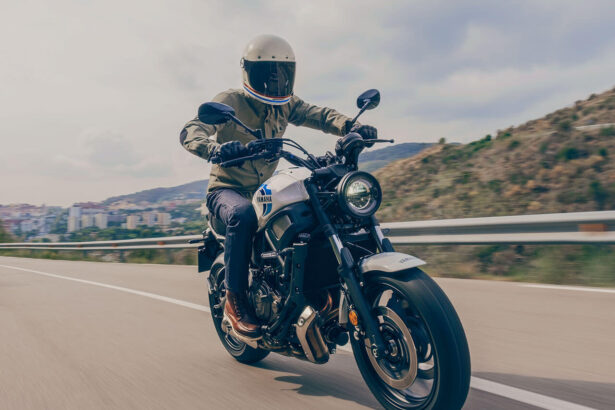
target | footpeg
[{"x": 227, "y": 328}]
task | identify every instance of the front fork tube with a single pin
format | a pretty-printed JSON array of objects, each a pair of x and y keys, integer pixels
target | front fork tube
[
  {"x": 384, "y": 244},
  {"x": 346, "y": 271},
  {"x": 353, "y": 288}
]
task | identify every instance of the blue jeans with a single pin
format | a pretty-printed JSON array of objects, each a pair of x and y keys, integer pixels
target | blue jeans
[{"x": 236, "y": 212}]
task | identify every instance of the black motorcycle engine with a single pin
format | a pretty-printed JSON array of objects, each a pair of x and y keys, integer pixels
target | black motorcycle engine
[{"x": 266, "y": 300}]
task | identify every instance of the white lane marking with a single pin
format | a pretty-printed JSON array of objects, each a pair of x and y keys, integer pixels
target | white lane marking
[
  {"x": 513, "y": 393},
  {"x": 524, "y": 396},
  {"x": 127, "y": 290},
  {"x": 573, "y": 288}
]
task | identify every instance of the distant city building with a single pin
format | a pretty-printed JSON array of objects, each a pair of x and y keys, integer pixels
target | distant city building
[
  {"x": 74, "y": 212},
  {"x": 101, "y": 220},
  {"x": 87, "y": 221},
  {"x": 27, "y": 225},
  {"x": 132, "y": 221},
  {"x": 149, "y": 218},
  {"x": 73, "y": 224},
  {"x": 164, "y": 218}
]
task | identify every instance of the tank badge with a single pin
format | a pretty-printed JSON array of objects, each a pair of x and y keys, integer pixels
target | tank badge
[{"x": 264, "y": 198}]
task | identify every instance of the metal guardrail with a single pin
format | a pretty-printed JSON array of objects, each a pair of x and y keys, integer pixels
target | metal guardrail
[{"x": 564, "y": 228}]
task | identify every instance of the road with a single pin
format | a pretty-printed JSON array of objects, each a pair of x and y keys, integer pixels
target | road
[{"x": 78, "y": 335}]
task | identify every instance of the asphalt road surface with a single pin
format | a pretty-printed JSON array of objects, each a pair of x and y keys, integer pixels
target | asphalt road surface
[{"x": 77, "y": 335}]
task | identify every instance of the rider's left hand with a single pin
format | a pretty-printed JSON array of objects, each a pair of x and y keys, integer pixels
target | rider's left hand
[{"x": 367, "y": 132}]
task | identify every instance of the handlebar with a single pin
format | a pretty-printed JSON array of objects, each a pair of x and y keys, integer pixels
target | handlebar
[{"x": 272, "y": 148}]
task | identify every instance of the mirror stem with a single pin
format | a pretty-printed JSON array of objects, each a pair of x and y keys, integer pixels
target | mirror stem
[
  {"x": 256, "y": 133},
  {"x": 361, "y": 111}
]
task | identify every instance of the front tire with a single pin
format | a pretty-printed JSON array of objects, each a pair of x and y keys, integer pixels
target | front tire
[
  {"x": 238, "y": 349},
  {"x": 429, "y": 367}
]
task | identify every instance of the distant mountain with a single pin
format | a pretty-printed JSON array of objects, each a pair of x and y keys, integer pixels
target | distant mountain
[
  {"x": 370, "y": 161},
  {"x": 191, "y": 190}
]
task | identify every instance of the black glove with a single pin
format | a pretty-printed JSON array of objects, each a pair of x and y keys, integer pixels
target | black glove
[
  {"x": 367, "y": 132},
  {"x": 231, "y": 150}
]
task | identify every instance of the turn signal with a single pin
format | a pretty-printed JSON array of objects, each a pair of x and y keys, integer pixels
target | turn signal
[{"x": 352, "y": 316}]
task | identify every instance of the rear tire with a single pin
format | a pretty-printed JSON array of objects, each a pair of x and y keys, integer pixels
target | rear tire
[
  {"x": 448, "y": 379},
  {"x": 239, "y": 350}
]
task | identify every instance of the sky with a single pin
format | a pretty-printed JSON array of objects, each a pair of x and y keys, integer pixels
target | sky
[{"x": 93, "y": 94}]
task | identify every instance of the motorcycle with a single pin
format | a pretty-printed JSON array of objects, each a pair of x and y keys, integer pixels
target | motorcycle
[{"x": 323, "y": 273}]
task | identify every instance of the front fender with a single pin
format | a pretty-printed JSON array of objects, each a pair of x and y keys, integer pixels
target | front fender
[{"x": 389, "y": 262}]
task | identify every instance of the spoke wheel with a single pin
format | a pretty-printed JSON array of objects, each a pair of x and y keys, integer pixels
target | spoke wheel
[{"x": 426, "y": 364}]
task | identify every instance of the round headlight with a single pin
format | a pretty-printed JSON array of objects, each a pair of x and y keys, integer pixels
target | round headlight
[{"x": 359, "y": 194}]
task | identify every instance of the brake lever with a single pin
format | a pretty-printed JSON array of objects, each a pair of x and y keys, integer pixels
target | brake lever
[{"x": 392, "y": 141}]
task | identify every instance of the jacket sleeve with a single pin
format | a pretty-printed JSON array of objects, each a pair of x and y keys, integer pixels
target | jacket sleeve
[
  {"x": 320, "y": 118},
  {"x": 199, "y": 138}
]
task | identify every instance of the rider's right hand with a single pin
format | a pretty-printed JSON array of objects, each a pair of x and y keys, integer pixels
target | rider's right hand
[{"x": 231, "y": 150}]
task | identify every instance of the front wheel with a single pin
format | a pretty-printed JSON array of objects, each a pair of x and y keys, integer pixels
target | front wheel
[
  {"x": 217, "y": 296},
  {"x": 428, "y": 360}
]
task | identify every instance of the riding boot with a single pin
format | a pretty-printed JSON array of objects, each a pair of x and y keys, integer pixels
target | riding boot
[{"x": 237, "y": 310}]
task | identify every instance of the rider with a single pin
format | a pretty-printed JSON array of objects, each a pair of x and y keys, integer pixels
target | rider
[{"x": 266, "y": 102}]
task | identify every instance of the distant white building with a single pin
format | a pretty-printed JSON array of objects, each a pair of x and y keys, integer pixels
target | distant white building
[
  {"x": 149, "y": 218},
  {"x": 101, "y": 220},
  {"x": 132, "y": 221},
  {"x": 164, "y": 218},
  {"x": 73, "y": 223},
  {"x": 87, "y": 221},
  {"x": 74, "y": 211}
]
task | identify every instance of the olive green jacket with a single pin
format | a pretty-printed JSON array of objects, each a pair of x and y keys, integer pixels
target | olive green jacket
[{"x": 203, "y": 139}]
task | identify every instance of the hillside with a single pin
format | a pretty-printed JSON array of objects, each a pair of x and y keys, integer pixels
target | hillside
[
  {"x": 562, "y": 162},
  {"x": 191, "y": 190},
  {"x": 370, "y": 161}
]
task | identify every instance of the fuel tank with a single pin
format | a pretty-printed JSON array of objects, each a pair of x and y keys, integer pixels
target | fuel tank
[{"x": 284, "y": 188}]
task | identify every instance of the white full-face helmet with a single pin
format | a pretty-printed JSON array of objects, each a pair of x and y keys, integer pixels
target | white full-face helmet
[{"x": 268, "y": 66}]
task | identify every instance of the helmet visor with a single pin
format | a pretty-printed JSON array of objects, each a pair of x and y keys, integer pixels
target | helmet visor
[{"x": 271, "y": 78}]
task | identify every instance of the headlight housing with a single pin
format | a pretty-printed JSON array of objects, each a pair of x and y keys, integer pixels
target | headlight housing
[{"x": 359, "y": 194}]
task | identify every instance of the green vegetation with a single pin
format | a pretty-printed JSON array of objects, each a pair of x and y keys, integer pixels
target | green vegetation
[
  {"x": 608, "y": 131},
  {"x": 4, "y": 235},
  {"x": 114, "y": 233},
  {"x": 586, "y": 265}
]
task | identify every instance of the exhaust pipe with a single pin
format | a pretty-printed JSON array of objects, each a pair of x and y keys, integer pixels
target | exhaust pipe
[{"x": 309, "y": 336}]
